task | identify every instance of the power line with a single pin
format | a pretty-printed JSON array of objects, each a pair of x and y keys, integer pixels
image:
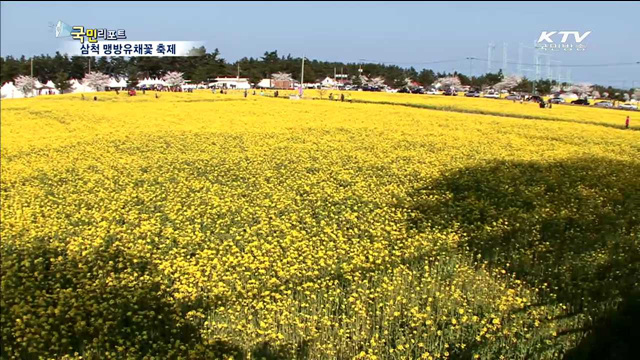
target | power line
[
  {"x": 412, "y": 63},
  {"x": 507, "y": 62},
  {"x": 572, "y": 65}
]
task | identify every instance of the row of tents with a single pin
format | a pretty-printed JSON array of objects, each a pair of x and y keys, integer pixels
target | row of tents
[{"x": 10, "y": 91}]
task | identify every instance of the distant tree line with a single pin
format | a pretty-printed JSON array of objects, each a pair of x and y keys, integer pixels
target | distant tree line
[{"x": 209, "y": 65}]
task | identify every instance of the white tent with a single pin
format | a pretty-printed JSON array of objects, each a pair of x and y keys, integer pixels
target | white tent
[
  {"x": 52, "y": 87},
  {"x": 149, "y": 82},
  {"x": 78, "y": 87},
  {"x": 10, "y": 91},
  {"x": 117, "y": 84},
  {"x": 49, "y": 88}
]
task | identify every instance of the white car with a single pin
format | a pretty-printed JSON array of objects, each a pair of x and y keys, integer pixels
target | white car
[
  {"x": 628, "y": 106},
  {"x": 606, "y": 104},
  {"x": 492, "y": 95},
  {"x": 432, "y": 92}
]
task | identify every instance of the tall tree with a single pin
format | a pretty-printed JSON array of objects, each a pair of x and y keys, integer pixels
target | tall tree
[
  {"x": 25, "y": 84},
  {"x": 62, "y": 82},
  {"x": 96, "y": 80}
]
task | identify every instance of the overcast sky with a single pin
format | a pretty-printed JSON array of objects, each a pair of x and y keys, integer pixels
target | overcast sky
[{"x": 407, "y": 34}]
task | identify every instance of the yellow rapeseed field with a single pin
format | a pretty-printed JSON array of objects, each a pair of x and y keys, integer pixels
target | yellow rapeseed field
[
  {"x": 529, "y": 110},
  {"x": 207, "y": 226}
]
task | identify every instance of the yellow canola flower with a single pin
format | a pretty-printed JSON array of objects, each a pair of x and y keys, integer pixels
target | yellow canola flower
[{"x": 199, "y": 224}]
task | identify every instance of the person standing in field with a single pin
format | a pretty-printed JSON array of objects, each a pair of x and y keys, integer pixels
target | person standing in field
[
  {"x": 626, "y": 125},
  {"x": 246, "y": 93},
  {"x": 342, "y": 97}
]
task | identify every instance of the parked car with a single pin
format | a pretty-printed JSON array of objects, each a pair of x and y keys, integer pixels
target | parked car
[
  {"x": 450, "y": 92},
  {"x": 580, "y": 102},
  {"x": 404, "y": 91},
  {"x": 513, "y": 97},
  {"x": 628, "y": 106},
  {"x": 432, "y": 92},
  {"x": 472, "y": 93},
  {"x": 556, "y": 101},
  {"x": 607, "y": 104},
  {"x": 536, "y": 98},
  {"x": 370, "y": 88},
  {"x": 417, "y": 91},
  {"x": 492, "y": 95}
]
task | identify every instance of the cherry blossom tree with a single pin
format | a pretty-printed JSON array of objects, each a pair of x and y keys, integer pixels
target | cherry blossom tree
[
  {"x": 281, "y": 76},
  {"x": 449, "y": 82},
  {"x": 96, "y": 80},
  {"x": 581, "y": 89},
  {"x": 378, "y": 81},
  {"x": 509, "y": 82},
  {"x": 173, "y": 79},
  {"x": 25, "y": 84}
]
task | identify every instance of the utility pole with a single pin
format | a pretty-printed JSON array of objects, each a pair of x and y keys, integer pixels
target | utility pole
[
  {"x": 470, "y": 67},
  {"x": 520, "y": 48},
  {"x": 504, "y": 57},
  {"x": 490, "y": 55},
  {"x": 32, "y": 67},
  {"x": 89, "y": 64},
  {"x": 302, "y": 76},
  {"x": 238, "y": 76}
]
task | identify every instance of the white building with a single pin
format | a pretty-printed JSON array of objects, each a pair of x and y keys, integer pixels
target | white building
[
  {"x": 265, "y": 84},
  {"x": 230, "y": 83},
  {"x": 328, "y": 82},
  {"x": 569, "y": 96}
]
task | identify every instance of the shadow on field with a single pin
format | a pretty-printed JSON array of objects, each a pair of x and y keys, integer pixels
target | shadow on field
[
  {"x": 107, "y": 301},
  {"x": 573, "y": 224}
]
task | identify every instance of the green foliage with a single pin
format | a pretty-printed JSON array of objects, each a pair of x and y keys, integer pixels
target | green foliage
[
  {"x": 205, "y": 66},
  {"x": 61, "y": 82},
  {"x": 525, "y": 85}
]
